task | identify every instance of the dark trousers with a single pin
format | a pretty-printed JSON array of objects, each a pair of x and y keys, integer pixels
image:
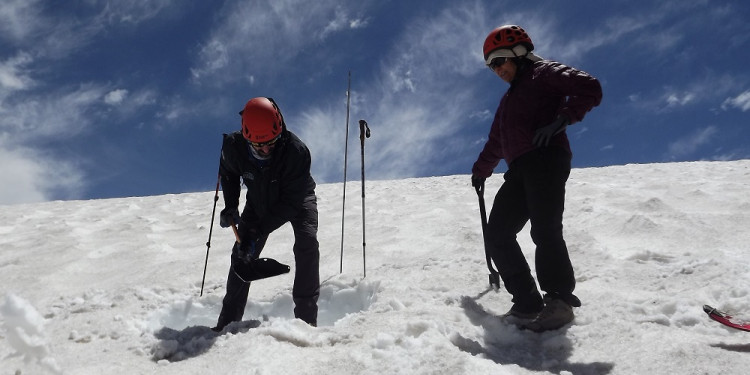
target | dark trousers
[
  {"x": 306, "y": 288},
  {"x": 534, "y": 190}
]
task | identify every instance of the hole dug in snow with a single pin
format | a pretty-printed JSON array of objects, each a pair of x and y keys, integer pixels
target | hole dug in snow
[
  {"x": 338, "y": 298},
  {"x": 182, "y": 328}
]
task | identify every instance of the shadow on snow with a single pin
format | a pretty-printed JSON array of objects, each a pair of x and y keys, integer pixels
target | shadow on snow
[
  {"x": 190, "y": 342},
  {"x": 505, "y": 344}
]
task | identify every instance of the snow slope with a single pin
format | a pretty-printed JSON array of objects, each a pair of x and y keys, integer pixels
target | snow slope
[{"x": 112, "y": 286}]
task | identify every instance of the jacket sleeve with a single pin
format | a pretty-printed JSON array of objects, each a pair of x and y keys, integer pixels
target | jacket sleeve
[
  {"x": 230, "y": 173},
  {"x": 492, "y": 153},
  {"x": 582, "y": 91},
  {"x": 295, "y": 184}
]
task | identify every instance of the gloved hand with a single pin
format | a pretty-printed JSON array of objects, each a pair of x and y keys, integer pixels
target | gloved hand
[
  {"x": 229, "y": 216},
  {"x": 544, "y": 134},
  {"x": 246, "y": 250},
  {"x": 477, "y": 181},
  {"x": 249, "y": 240}
]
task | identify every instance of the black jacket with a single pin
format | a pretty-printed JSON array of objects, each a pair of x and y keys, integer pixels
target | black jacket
[{"x": 277, "y": 192}]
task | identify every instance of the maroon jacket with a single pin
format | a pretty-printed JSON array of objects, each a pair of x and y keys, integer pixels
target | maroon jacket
[{"x": 540, "y": 92}]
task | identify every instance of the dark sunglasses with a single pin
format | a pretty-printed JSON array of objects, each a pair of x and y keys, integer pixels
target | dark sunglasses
[
  {"x": 269, "y": 143},
  {"x": 496, "y": 62}
]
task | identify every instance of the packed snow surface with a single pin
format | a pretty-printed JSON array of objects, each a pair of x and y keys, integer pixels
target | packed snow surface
[{"x": 113, "y": 286}]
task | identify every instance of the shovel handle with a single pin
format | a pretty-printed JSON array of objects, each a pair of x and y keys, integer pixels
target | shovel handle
[
  {"x": 480, "y": 190},
  {"x": 236, "y": 233},
  {"x": 494, "y": 276},
  {"x": 237, "y": 238}
]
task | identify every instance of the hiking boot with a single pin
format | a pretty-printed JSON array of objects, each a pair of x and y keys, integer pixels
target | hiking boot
[
  {"x": 516, "y": 312},
  {"x": 555, "y": 314},
  {"x": 520, "y": 315},
  {"x": 223, "y": 322}
]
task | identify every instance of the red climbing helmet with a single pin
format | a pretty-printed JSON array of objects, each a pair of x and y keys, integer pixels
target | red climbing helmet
[
  {"x": 507, "y": 37},
  {"x": 261, "y": 120}
]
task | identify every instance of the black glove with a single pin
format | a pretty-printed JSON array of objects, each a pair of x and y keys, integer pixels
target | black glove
[
  {"x": 229, "y": 216},
  {"x": 477, "y": 181},
  {"x": 544, "y": 135},
  {"x": 246, "y": 250},
  {"x": 249, "y": 239}
]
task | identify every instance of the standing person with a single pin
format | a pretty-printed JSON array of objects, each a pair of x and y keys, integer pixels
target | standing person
[
  {"x": 528, "y": 131},
  {"x": 275, "y": 166}
]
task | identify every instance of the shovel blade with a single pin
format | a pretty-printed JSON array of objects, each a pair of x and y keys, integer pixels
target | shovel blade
[{"x": 260, "y": 268}]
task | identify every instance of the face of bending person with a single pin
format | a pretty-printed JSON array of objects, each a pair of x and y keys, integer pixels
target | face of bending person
[
  {"x": 266, "y": 148},
  {"x": 506, "y": 71}
]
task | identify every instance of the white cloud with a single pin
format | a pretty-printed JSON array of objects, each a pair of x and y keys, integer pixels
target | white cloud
[
  {"x": 55, "y": 115},
  {"x": 550, "y": 42},
  {"x": 342, "y": 21},
  {"x": 324, "y": 133},
  {"x": 17, "y": 19},
  {"x": 262, "y": 36},
  {"x": 414, "y": 124},
  {"x": 484, "y": 115},
  {"x": 405, "y": 103},
  {"x": 679, "y": 99},
  {"x": 13, "y": 74},
  {"x": 29, "y": 173},
  {"x": 690, "y": 143},
  {"x": 741, "y": 102},
  {"x": 115, "y": 97},
  {"x": 708, "y": 88},
  {"x": 29, "y": 176},
  {"x": 134, "y": 11},
  {"x": 358, "y": 23}
]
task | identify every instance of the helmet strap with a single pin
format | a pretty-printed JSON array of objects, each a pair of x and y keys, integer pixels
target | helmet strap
[{"x": 283, "y": 124}]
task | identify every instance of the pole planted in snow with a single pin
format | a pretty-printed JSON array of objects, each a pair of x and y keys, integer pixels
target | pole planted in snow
[
  {"x": 364, "y": 132},
  {"x": 210, "y": 232},
  {"x": 346, "y": 152}
]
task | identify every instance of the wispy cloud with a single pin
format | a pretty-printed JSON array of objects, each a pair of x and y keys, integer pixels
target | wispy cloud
[
  {"x": 705, "y": 91},
  {"x": 572, "y": 49},
  {"x": 418, "y": 75},
  {"x": 29, "y": 173},
  {"x": 405, "y": 101},
  {"x": 677, "y": 99},
  {"x": 17, "y": 19},
  {"x": 30, "y": 176},
  {"x": 34, "y": 111},
  {"x": 261, "y": 37},
  {"x": 134, "y": 12},
  {"x": 741, "y": 102},
  {"x": 14, "y": 75},
  {"x": 688, "y": 144},
  {"x": 413, "y": 107},
  {"x": 323, "y": 130},
  {"x": 342, "y": 21},
  {"x": 59, "y": 114}
]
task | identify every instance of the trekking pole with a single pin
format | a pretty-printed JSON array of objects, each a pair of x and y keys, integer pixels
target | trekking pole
[
  {"x": 364, "y": 132},
  {"x": 346, "y": 153},
  {"x": 494, "y": 275},
  {"x": 210, "y": 232}
]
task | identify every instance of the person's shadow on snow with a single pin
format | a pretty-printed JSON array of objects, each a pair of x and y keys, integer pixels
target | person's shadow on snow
[
  {"x": 193, "y": 341},
  {"x": 506, "y": 344}
]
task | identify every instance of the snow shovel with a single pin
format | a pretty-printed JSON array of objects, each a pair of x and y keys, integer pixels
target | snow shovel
[
  {"x": 494, "y": 275},
  {"x": 256, "y": 269}
]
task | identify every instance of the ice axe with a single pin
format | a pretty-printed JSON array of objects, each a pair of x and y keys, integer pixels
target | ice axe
[
  {"x": 494, "y": 275},
  {"x": 255, "y": 268}
]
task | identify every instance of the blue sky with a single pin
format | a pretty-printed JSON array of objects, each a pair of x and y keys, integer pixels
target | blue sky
[{"x": 104, "y": 99}]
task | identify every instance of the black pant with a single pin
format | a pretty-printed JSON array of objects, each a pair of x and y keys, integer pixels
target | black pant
[
  {"x": 534, "y": 190},
  {"x": 306, "y": 287}
]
